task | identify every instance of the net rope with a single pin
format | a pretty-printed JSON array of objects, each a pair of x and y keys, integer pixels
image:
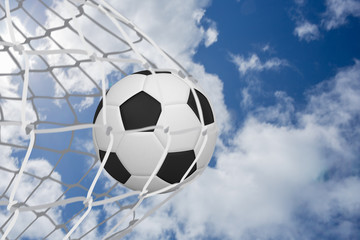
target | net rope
[{"x": 22, "y": 48}]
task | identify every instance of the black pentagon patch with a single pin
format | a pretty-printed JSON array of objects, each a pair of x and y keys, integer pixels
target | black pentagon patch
[
  {"x": 192, "y": 104},
  {"x": 139, "y": 111},
  {"x": 115, "y": 168},
  {"x": 206, "y": 108},
  {"x": 175, "y": 166},
  {"x": 145, "y": 72},
  {"x": 99, "y": 107},
  {"x": 167, "y": 72}
]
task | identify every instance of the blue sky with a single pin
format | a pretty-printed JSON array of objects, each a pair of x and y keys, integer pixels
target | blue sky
[
  {"x": 284, "y": 81},
  {"x": 246, "y": 27}
]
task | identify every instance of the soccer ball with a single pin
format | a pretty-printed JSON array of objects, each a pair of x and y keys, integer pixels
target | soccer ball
[{"x": 155, "y": 116}]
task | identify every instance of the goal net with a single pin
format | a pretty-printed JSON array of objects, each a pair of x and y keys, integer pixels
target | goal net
[{"x": 57, "y": 59}]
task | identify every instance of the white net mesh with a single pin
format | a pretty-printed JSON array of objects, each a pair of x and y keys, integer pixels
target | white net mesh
[{"x": 57, "y": 60}]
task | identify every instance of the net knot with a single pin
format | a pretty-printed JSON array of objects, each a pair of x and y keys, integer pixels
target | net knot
[
  {"x": 19, "y": 48},
  {"x": 181, "y": 74},
  {"x": 29, "y": 128},
  {"x": 81, "y": 2},
  {"x": 88, "y": 201},
  {"x": 93, "y": 57},
  {"x": 108, "y": 130},
  {"x": 143, "y": 194},
  {"x": 132, "y": 222},
  {"x": 11, "y": 206},
  {"x": 191, "y": 78}
]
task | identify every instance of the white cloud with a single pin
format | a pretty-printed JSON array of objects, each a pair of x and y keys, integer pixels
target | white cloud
[
  {"x": 337, "y": 12},
  {"x": 246, "y": 97},
  {"x": 198, "y": 15},
  {"x": 169, "y": 20},
  {"x": 253, "y": 87},
  {"x": 266, "y": 47},
  {"x": 281, "y": 113},
  {"x": 253, "y": 63},
  {"x": 277, "y": 175},
  {"x": 307, "y": 31},
  {"x": 211, "y": 36}
]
